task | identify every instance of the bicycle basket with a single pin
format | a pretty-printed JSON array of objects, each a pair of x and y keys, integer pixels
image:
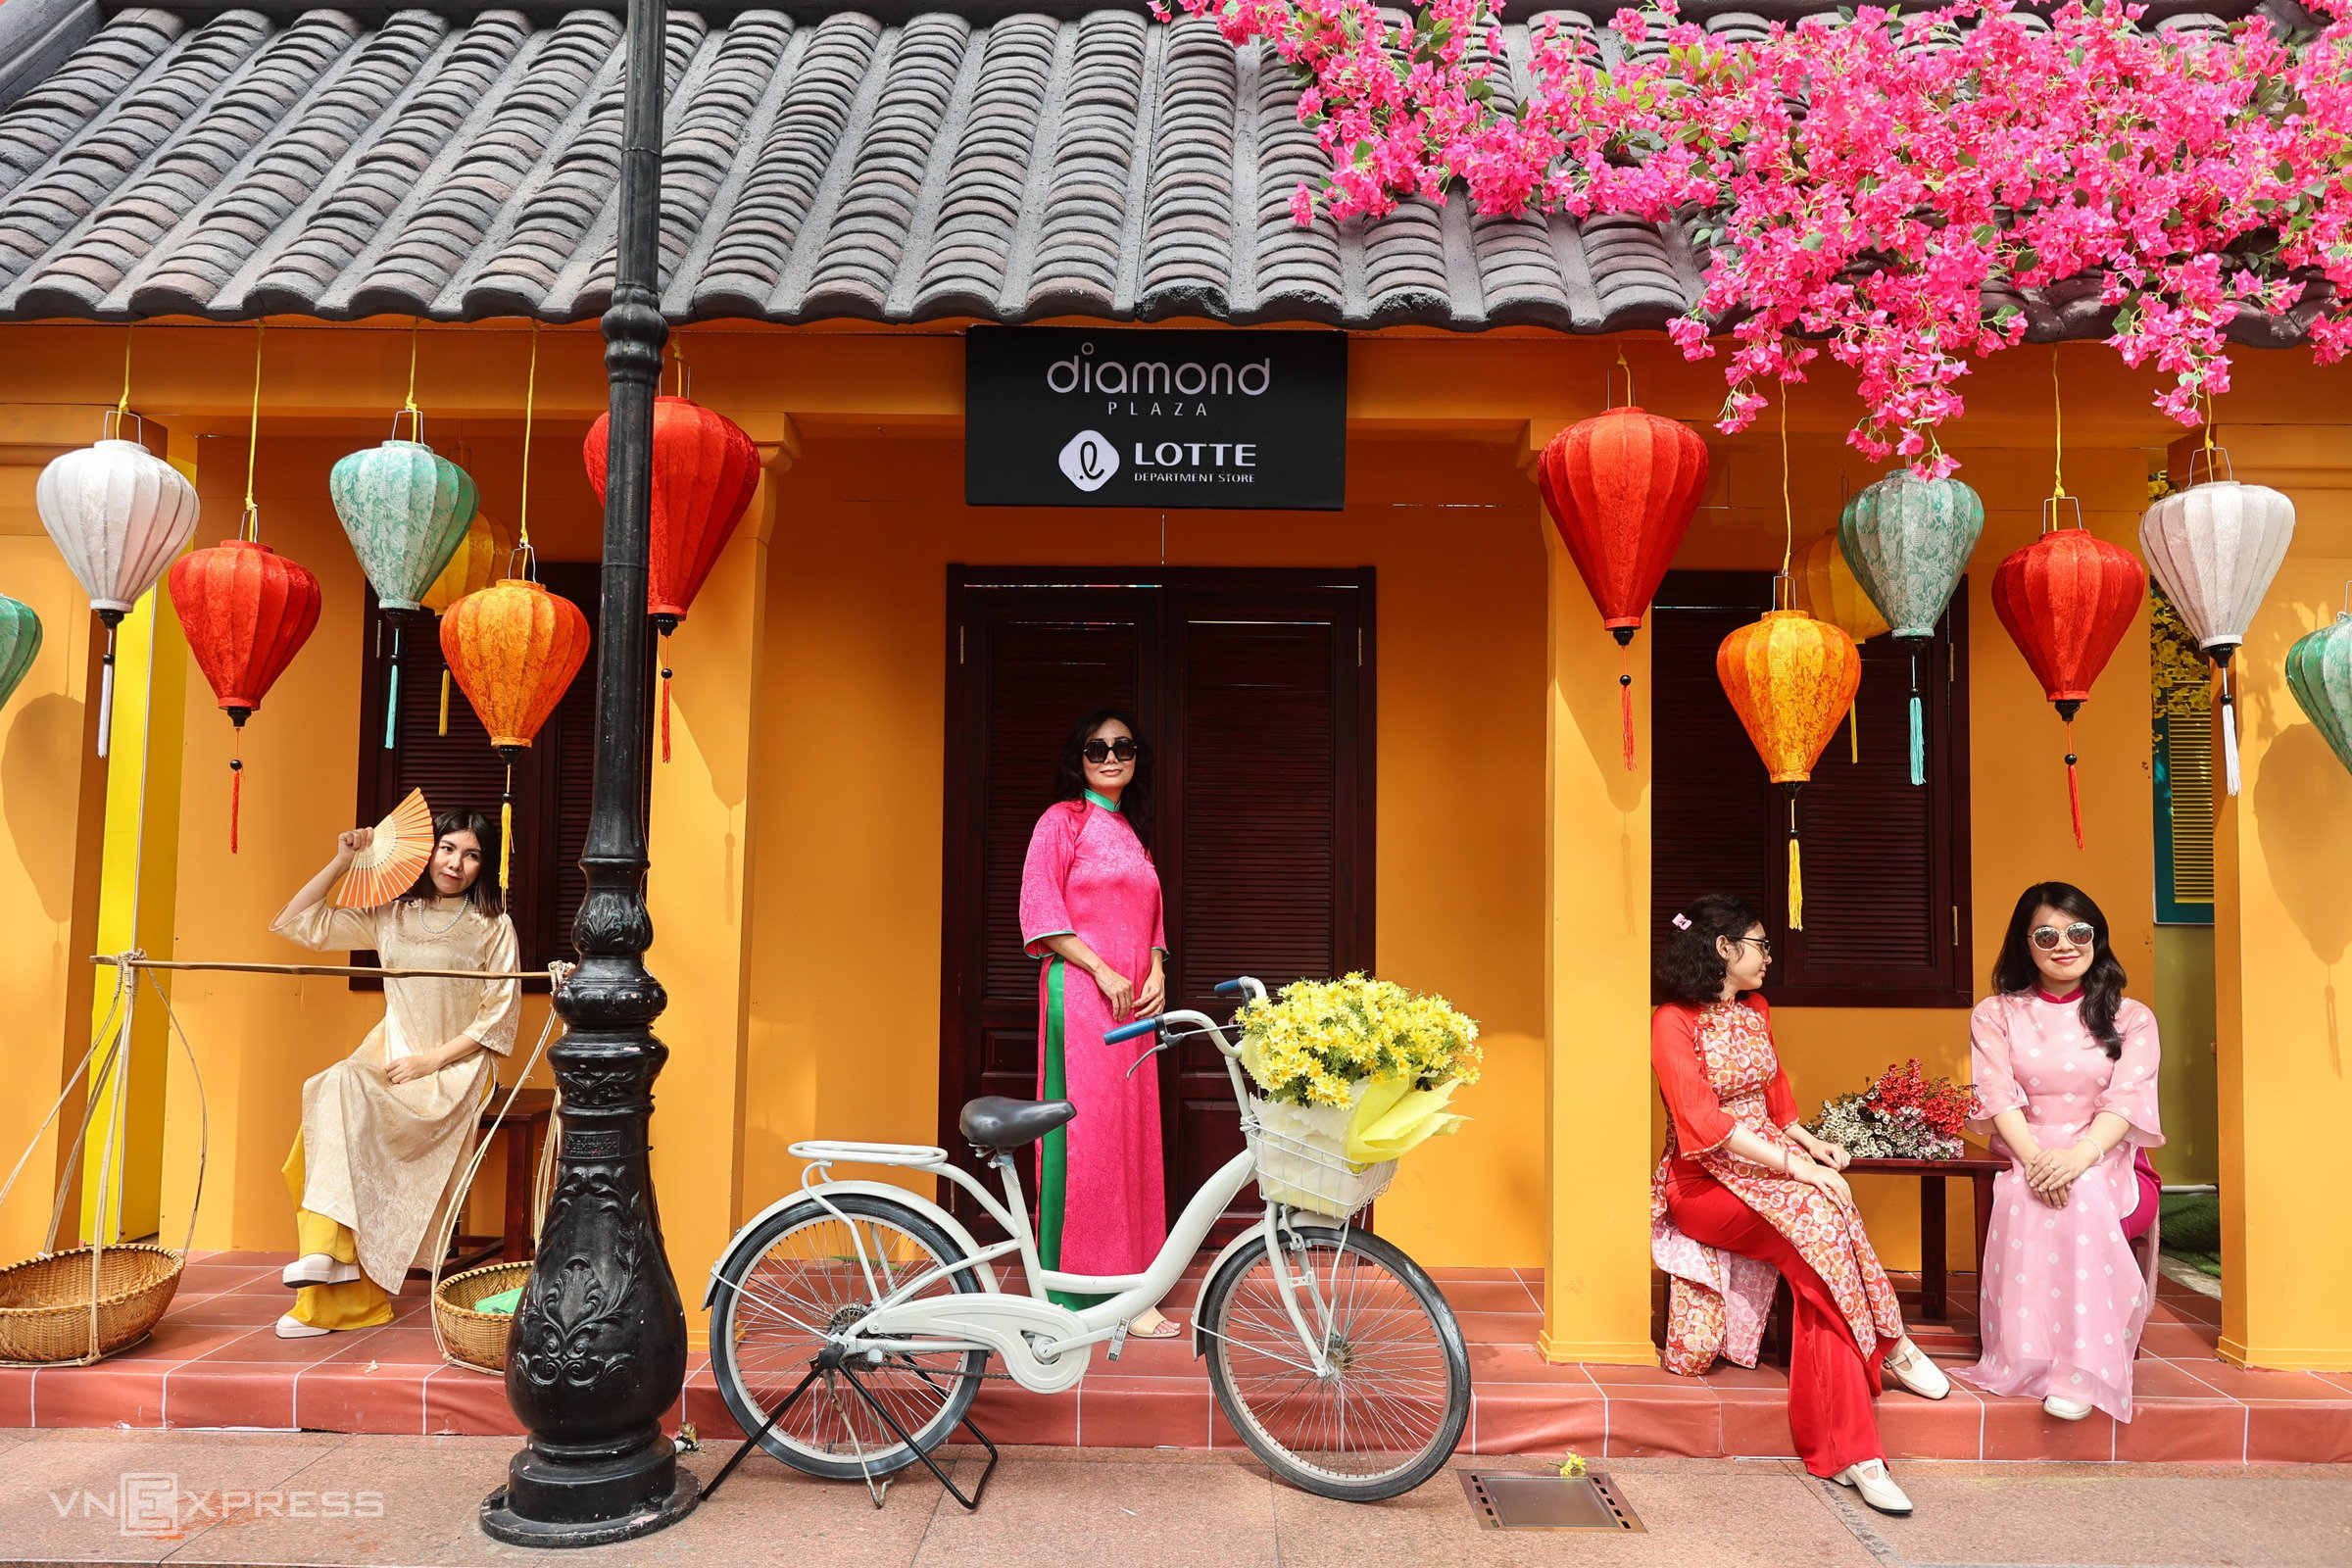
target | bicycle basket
[{"x": 1298, "y": 1148}]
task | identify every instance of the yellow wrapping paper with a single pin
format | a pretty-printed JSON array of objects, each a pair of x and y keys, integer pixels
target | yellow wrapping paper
[{"x": 1392, "y": 1118}]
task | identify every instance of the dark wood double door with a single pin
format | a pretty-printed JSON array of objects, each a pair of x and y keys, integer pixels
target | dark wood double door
[{"x": 1256, "y": 690}]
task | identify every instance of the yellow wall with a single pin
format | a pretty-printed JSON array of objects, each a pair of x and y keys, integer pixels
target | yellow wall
[
  {"x": 845, "y": 998},
  {"x": 796, "y": 883}
]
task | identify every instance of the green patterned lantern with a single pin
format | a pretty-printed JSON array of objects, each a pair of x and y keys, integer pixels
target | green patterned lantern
[
  {"x": 1908, "y": 540},
  {"x": 406, "y": 509},
  {"x": 20, "y": 641},
  {"x": 2319, "y": 672}
]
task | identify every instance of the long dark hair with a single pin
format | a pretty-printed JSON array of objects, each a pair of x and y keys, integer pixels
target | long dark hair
[
  {"x": 1687, "y": 968},
  {"x": 1070, "y": 769},
  {"x": 485, "y": 895},
  {"x": 2015, "y": 971}
]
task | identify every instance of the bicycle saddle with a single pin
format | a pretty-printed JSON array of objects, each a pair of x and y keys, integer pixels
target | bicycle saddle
[{"x": 994, "y": 1121}]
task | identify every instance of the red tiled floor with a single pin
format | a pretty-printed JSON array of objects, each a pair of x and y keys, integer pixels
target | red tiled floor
[{"x": 214, "y": 1362}]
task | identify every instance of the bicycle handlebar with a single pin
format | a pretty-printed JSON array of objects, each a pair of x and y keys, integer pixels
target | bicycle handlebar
[
  {"x": 1227, "y": 988},
  {"x": 1131, "y": 1031}
]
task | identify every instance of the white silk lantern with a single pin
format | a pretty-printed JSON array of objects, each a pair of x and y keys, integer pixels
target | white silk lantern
[
  {"x": 118, "y": 515},
  {"x": 2214, "y": 548}
]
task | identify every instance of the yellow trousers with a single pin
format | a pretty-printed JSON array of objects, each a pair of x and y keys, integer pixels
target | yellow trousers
[{"x": 359, "y": 1303}]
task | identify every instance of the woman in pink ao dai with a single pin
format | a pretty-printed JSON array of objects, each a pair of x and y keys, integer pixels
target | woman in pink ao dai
[{"x": 2065, "y": 1086}]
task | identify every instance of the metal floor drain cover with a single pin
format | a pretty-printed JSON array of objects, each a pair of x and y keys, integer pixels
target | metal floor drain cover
[{"x": 1523, "y": 1499}]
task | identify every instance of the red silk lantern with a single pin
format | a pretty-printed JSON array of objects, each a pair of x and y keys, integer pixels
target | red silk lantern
[
  {"x": 1622, "y": 488},
  {"x": 513, "y": 649},
  {"x": 704, "y": 471},
  {"x": 2066, "y": 600},
  {"x": 247, "y": 611}
]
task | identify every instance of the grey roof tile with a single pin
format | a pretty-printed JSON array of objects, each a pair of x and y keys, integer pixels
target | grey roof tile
[{"x": 954, "y": 164}]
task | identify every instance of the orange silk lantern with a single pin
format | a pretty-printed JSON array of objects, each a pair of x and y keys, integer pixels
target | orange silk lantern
[
  {"x": 1622, "y": 488},
  {"x": 2066, "y": 600},
  {"x": 704, "y": 471},
  {"x": 247, "y": 611},
  {"x": 1791, "y": 679},
  {"x": 514, "y": 647}
]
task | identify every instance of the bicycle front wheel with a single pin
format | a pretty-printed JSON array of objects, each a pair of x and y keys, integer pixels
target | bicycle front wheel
[
  {"x": 810, "y": 1274},
  {"x": 1391, "y": 1407}
]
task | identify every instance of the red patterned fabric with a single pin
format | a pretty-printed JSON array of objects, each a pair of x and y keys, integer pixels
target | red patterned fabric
[
  {"x": 2066, "y": 600},
  {"x": 1622, "y": 488},
  {"x": 704, "y": 471},
  {"x": 247, "y": 611},
  {"x": 1731, "y": 1041}
]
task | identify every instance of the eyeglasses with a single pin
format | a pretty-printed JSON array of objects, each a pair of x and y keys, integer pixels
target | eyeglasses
[
  {"x": 1100, "y": 751},
  {"x": 1763, "y": 944},
  {"x": 2081, "y": 934}
]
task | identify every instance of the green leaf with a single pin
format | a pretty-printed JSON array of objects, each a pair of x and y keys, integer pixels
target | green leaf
[{"x": 1813, "y": 242}]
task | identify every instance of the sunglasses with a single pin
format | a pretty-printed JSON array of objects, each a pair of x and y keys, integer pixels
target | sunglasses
[
  {"x": 1099, "y": 751},
  {"x": 2081, "y": 934}
]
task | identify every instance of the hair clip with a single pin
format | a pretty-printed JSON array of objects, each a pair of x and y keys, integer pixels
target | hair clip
[{"x": 1681, "y": 923}]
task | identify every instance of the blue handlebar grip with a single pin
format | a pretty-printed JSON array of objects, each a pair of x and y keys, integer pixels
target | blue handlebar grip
[
  {"x": 1226, "y": 988},
  {"x": 1131, "y": 1031}
]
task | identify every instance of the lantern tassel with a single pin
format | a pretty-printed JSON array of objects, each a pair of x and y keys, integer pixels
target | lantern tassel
[
  {"x": 1919, "y": 731},
  {"x": 665, "y": 674},
  {"x": 444, "y": 701},
  {"x": 1853, "y": 732},
  {"x": 1796, "y": 885},
  {"x": 106, "y": 691},
  {"x": 2074, "y": 784},
  {"x": 236, "y": 795},
  {"x": 505, "y": 828},
  {"x": 1797, "y": 871},
  {"x": 2228, "y": 734},
  {"x": 392, "y": 695},
  {"x": 1625, "y": 706}
]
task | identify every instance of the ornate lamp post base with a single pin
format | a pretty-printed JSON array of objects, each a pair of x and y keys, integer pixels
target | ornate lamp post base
[{"x": 598, "y": 1502}]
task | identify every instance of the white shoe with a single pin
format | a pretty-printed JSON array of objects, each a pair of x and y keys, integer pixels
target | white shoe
[
  {"x": 290, "y": 1327},
  {"x": 2065, "y": 1409},
  {"x": 1914, "y": 1371},
  {"x": 1876, "y": 1487},
  {"x": 317, "y": 1269}
]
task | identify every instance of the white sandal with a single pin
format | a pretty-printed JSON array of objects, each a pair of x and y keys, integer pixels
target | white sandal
[{"x": 290, "y": 1327}]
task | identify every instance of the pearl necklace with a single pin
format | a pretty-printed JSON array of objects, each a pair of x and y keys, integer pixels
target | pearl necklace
[{"x": 446, "y": 926}]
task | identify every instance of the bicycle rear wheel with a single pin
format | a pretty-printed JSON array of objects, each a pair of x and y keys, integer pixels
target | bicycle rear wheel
[
  {"x": 804, "y": 1281},
  {"x": 1393, "y": 1406}
]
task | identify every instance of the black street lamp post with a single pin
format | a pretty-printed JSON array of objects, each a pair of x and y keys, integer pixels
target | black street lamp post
[{"x": 599, "y": 1350}]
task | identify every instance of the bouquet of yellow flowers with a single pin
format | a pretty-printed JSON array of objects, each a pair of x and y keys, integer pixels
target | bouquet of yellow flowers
[{"x": 1355, "y": 1068}]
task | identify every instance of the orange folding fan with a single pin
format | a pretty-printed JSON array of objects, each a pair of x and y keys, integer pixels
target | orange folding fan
[{"x": 388, "y": 866}]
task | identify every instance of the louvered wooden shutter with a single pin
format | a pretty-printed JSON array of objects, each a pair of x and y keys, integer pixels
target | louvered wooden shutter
[
  {"x": 2182, "y": 692},
  {"x": 1886, "y": 863}
]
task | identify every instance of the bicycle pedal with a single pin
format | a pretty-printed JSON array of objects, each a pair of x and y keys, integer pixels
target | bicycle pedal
[{"x": 1118, "y": 1343}]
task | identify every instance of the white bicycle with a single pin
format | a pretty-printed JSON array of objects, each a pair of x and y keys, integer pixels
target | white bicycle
[{"x": 852, "y": 1324}]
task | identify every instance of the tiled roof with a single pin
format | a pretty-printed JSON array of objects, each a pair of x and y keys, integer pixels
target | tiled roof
[{"x": 1001, "y": 166}]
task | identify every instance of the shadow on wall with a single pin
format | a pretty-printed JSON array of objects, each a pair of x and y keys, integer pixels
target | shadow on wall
[
  {"x": 2306, "y": 843},
  {"x": 46, "y": 730}
]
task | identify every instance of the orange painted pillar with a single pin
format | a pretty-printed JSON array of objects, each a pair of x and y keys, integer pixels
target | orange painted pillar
[
  {"x": 1598, "y": 1148},
  {"x": 2282, "y": 945}
]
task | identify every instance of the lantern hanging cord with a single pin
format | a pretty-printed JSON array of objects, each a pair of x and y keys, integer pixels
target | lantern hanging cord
[
  {"x": 2057, "y": 433},
  {"x": 1624, "y": 365},
  {"x": 252, "y": 434},
  {"x": 408, "y": 402},
  {"x": 530, "y": 396},
  {"x": 122, "y": 404},
  {"x": 1787, "y": 510}
]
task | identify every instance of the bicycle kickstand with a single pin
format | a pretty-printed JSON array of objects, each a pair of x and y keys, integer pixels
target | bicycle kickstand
[
  {"x": 752, "y": 1442},
  {"x": 971, "y": 1504}
]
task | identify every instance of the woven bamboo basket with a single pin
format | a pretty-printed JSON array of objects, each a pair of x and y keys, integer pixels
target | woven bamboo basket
[
  {"x": 477, "y": 1340},
  {"x": 46, "y": 1301}
]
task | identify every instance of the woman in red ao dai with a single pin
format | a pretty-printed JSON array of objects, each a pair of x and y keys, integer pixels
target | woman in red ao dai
[{"x": 1745, "y": 1192}]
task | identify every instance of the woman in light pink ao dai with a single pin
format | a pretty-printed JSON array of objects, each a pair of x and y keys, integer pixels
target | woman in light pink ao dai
[{"x": 2065, "y": 1086}]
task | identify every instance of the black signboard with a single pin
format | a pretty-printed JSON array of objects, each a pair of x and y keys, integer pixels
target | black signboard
[{"x": 1065, "y": 417}]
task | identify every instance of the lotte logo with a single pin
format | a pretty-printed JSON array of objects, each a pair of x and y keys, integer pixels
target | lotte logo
[{"x": 1089, "y": 460}]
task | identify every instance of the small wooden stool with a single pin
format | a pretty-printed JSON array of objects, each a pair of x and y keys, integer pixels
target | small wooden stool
[{"x": 525, "y": 1124}]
